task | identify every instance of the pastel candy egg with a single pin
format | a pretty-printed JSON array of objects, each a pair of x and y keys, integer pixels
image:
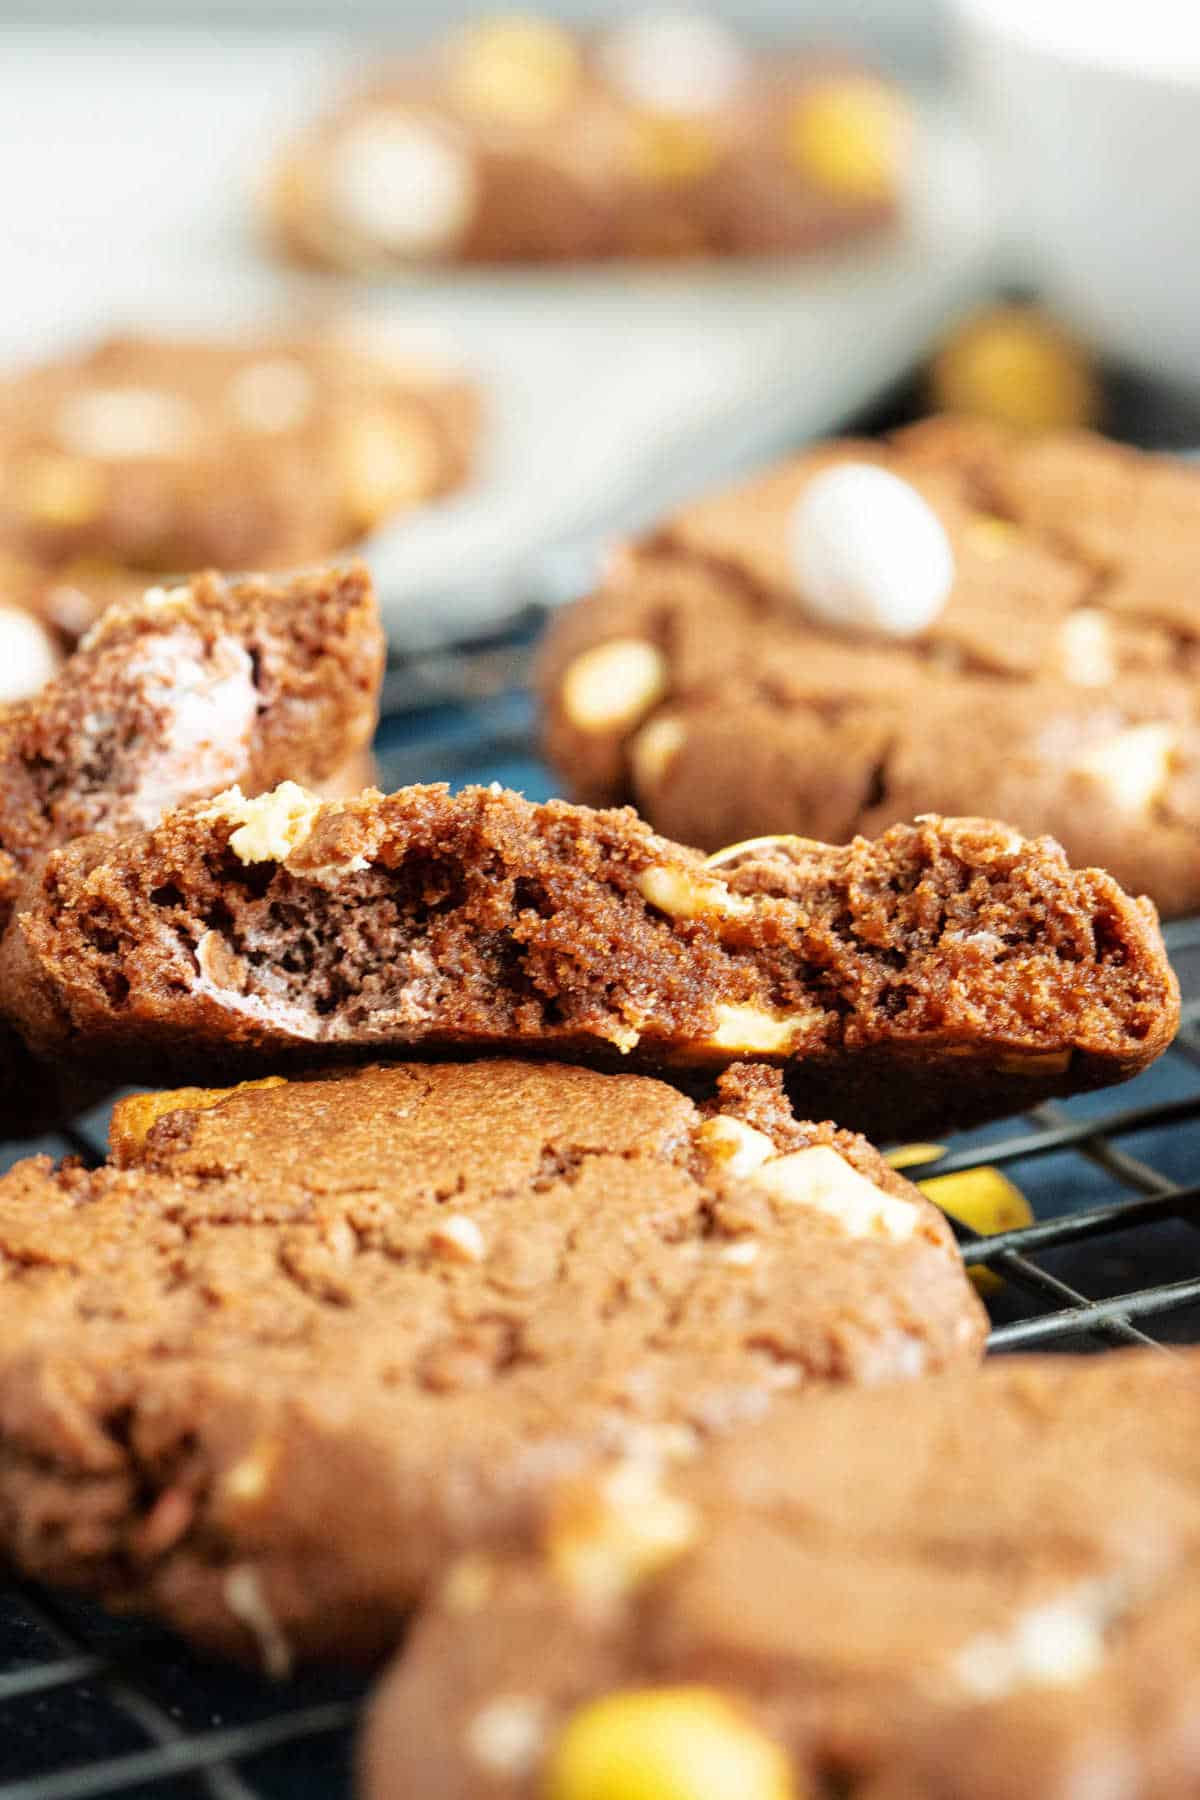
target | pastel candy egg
[
  {"x": 400, "y": 183},
  {"x": 674, "y": 62},
  {"x": 868, "y": 553}
]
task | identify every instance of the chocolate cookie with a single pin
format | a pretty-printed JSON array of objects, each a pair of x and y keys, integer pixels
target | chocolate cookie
[
  {"x": 182, "y": 691},
  {"x": 958, "y": 621},
  {"x": 303, "y": 1341},
  {"x": 172, "y": 695},
  {"x": 518, "y": 141},
  {"x": 148, "y": 454},
  {"x": 973, "y": 1588},
  {"x": 947, "y": 971}
]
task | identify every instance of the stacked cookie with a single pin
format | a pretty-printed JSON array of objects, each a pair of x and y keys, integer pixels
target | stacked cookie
[
  {"x": 464, "y": 1331},
  {"x": 514, "y": 140}
]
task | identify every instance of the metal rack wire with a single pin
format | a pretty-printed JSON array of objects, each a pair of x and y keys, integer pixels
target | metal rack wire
[{"x": 90, "y": 1706}]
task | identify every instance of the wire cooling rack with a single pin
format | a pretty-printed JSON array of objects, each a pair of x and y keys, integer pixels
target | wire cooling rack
[{"x": 91, "y": 1706}]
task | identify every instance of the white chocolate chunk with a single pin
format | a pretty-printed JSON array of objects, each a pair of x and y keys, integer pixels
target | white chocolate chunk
[
  {"x": 250, "y": 1478},
  {"x": 270, "y": 827},
  {"x": 1133, "y": 767},
  {"x": 403, "y": 185},
  {"x": 750, "y": 1028},
  {"x": 165, "y": 603},
  {"x": 1053, "y": 1645},
  {"x": 868, "y": 553},
  {"x": 686, "y": 896},
  {"x": 460, "y": 1238},
  {"x": 654, "y": 749},
  {"x": 28, "y": 658},
  {"x": 273, "y": 395},
  {"x": 743, "y": 1253},
  {"x": 243, "y": 1594},
  {"x": 674, "y": 62},
  {"x": 614, "y": 684},
  {"x": 604, "y": 1539},
  {"x": 820, "y": 1178},
  {"x": 126, "y": 422},
  {"x": 798, "y": 846},
  {"x": 505, "y": 1737},
  {"x": 737, "y": 1147},
  {"x": 1086, "y": 648}
]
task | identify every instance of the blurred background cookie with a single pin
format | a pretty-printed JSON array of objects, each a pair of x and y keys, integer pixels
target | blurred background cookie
[
  {"x": 144, "y": 455},
  {"x": 517, "y": 139}
]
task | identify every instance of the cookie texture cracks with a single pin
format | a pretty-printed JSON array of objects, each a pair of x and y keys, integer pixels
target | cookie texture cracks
[
  {"x": 183, "y": 692},
  {"x": 300, "y": 1343},
  {"x": 942, "y": 1590},
  {"x": 943, "y": 971},
  {"x": 812, "y": 674}
]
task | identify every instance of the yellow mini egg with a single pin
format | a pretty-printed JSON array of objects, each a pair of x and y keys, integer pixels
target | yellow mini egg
[
  {"x": 516, "y": 69},
  {"x": 1017, "y": 367},
  {"x": 983, "y": 1200},
  {"x": 851, "y": 138},
  {"x": 683, "y": 1743}
]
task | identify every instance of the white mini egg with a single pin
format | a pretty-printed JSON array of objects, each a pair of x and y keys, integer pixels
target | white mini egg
[
  {"x": 674, "y": 62},
  {"x": 401, "y": 184},
  {"x": 868, "y": 553},
  {"x": 28, "y": 658}
]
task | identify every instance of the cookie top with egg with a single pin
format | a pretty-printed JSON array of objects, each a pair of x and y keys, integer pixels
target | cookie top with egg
[
  {"x": 167, "y": 455},
  {"x": 957, "y": 619},
  {"x": 517, "y": 140}
]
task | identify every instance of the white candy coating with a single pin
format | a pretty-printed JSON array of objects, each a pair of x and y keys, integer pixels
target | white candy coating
[
  {"x": 28, "y": 658},
  {"x": 674, "y": 62},
  {"x": 399, "y": 183},
  {"x": 868, "y": 553}
]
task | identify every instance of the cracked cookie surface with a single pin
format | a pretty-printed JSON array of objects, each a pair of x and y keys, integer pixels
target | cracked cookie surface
[
  {"x": 947, "y": 971},
  {"x": 950, "y": 1591},
  {"x": 1055, "y": 690},
  {"x": 301, "y": 1341}
]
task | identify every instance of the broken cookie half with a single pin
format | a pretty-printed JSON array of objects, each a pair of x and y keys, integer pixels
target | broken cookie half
[
  {"x": 182, "y": 691},
  {"x": 946, "y": 971},
  {"x": 171, "y": 696}
]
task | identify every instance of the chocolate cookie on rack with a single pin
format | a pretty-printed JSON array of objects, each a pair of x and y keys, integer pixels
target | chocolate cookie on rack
[
  {"x": 945, "y": 1590},
  {"x": 947, "y": 971},
  {"x": 516, "y": 140},
  {"x": 302, "y": 1342},
  {"x": 957, "y": 620}
]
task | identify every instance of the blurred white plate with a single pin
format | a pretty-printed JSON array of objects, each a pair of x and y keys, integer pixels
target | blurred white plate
[{"x": 612, "y": 393}]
